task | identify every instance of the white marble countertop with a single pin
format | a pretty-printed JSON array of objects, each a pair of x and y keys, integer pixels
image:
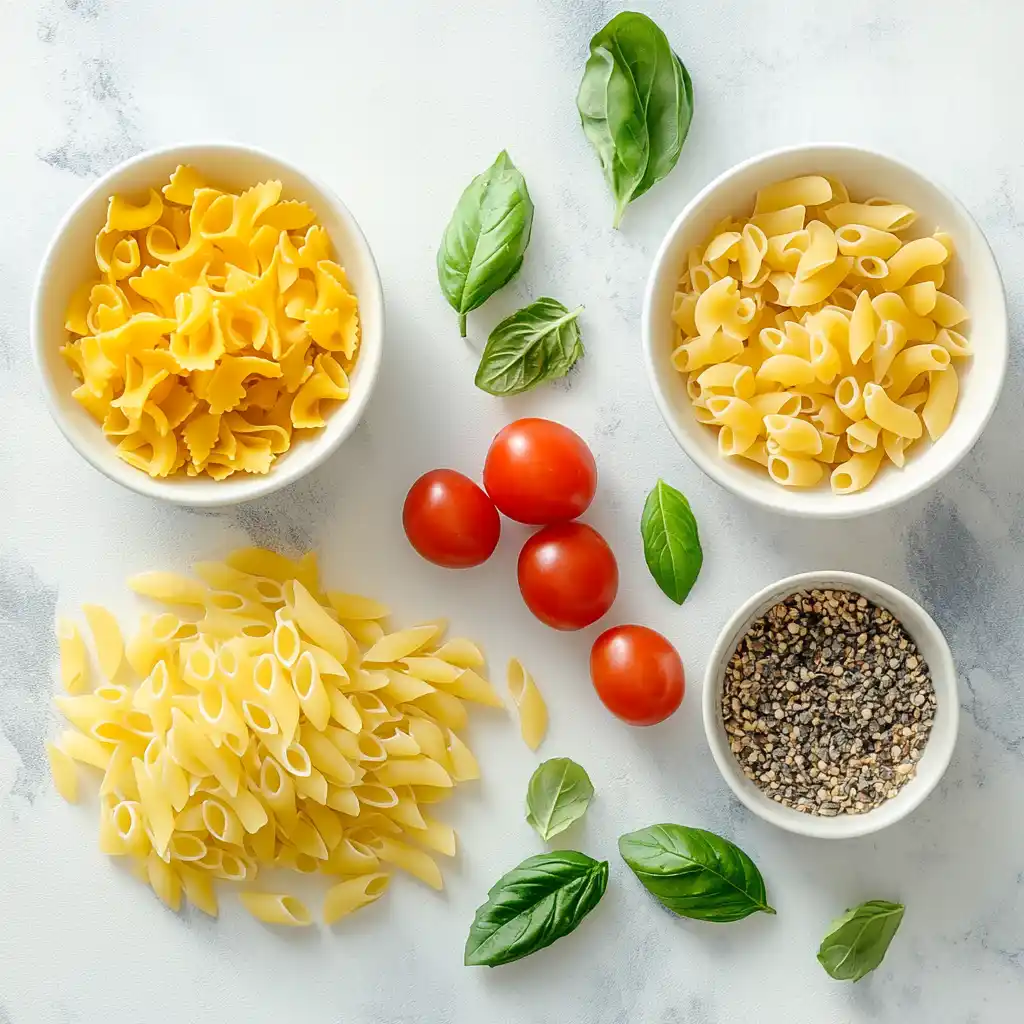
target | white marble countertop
[{"x": 397, "y": 105}]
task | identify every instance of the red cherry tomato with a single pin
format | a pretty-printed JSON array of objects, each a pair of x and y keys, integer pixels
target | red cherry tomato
[
  {"x": 637, "y": 674},
  {"x": 539, "y": 472},
  {"x": 567, "y": 575},
  {"x": 449, "y": 520}
]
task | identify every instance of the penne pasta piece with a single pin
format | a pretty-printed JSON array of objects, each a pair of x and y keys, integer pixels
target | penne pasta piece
[
  {"x": 63, "y": 773},
  {"x": 276, "y": 908},
  {"x": 74, "y": 663},
  {"x": 396, "y": 646},
  {"x": 533, "y": 712},
  {"x": 413, "y": 861},
  {"x": 352, "y": 894},
  {"x": 106, "y": 635}
]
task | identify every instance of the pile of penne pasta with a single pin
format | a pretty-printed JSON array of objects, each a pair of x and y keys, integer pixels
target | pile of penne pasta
[
  {"x": 815, "y": 338},
  {"x": 265, "y": 722}
]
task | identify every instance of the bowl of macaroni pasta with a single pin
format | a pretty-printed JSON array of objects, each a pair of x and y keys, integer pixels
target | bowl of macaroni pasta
[
  {"x": 825, "y": 331},
  {"x": 207, "y": 323}
]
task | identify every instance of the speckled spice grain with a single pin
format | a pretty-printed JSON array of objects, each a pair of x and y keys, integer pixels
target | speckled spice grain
[{"x": 828, "y": 704}]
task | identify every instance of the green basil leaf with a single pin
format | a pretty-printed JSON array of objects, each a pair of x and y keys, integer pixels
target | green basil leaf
[
  {"x": 856, "y": 943},
  {"x": 539, "y": 342},
  {"x": 695, "y": 873},
  {"x": 636, "y": 104},
  {"x": 559, "y": 793},
  {"x": 671, "y": 541},
  {"x": 536, "y": 903},
  {"x": 486, "y": 239}
]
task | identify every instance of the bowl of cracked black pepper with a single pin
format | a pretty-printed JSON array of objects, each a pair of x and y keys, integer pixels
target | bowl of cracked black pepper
[{"x": 830, "y": 704}]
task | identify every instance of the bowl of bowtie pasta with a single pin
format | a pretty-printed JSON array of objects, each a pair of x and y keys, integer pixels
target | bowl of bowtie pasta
[
  {"x": 825, "y": 331},
  {"x": 208, "y": 324}
]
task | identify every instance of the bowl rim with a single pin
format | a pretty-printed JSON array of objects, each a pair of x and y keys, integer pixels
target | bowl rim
[
  {"x": 943, "y": 672},
  {"x": 320, "y": 447},
  {"x": 717, "y": 468}
]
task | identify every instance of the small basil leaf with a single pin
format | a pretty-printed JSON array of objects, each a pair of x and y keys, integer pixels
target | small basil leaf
[
  {"x": 533, "y": 905},
  {"x": 695, "y": 873},
  {"x": 857, "y": 942},
  {"x": 671, "y": 541},
  {"x": 539, "y": 342},
  {"x": 486, "y": 239},
  {"x": 559, "y": 793},
  {"x": 636, "y": 104}
]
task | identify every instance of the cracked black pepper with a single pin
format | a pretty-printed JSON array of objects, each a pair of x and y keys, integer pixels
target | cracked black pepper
[{"x": 827, "y": 703}]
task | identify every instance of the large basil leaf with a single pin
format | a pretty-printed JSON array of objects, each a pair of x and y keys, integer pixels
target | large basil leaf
[
  {"x": 857, "y": 942},
  {"x": 671, "y": 541},
  {"x": 695, "y": 873},
  {"x": 536, "y": 903},
  {"x": 486, "y": 239},
  {"x": 559, "y": 793},
  {"x": 539, "y": 342},
  {"x": 636, "y": 104}
]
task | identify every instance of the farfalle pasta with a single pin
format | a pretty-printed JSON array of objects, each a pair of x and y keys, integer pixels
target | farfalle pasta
[
  {"x": 218, "y": 331},
  {"x": 815, "y": 339}
]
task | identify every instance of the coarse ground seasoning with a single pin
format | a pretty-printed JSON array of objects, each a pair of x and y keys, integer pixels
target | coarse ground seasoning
[{"x": 827, "y": 703}]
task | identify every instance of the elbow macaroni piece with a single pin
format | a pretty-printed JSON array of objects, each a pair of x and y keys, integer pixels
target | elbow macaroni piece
[
  {"x": 298, "y": 745},
  {"x": 815, "y": 336},
  {"x": 218, "y": 327}
]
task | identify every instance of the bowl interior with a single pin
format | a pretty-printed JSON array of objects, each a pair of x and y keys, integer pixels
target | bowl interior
[
  {"x": 937, "y": 752},
  {"x": 70, "y": 262},
  {"x": 973, "y": 277}
]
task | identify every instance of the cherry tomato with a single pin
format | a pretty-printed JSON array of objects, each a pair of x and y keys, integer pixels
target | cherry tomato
[
  {"x": 449, "y": 520},
  {"x": 539, "y": 472},
  {"x": 567, "y": 575},
  {"x": 637, "y": 674}
]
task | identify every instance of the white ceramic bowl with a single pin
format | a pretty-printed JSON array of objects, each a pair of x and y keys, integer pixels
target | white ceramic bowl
[
  {"x": 937, "y": 752},
  {"x": 69, "y": 262},
  {"x": 973, "y": 278}
]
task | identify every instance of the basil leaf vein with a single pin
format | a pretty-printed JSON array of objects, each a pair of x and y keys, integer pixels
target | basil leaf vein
[
  {"x": 558, "y": 795},
  {"x": 695, "y": 873},
  {"x": 636, "y": 104},
  {"x": 539, "y": 342},
  {"x": 671, "y": 541},
  {"x": 856, "y": 942},
  {"x": 543, "y": 899},
  {"x": 485, "y": 240}
]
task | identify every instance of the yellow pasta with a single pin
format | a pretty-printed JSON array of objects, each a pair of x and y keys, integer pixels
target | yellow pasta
[
  {"x": 943, "y": 387},
  {"x": 218, "y": 325},
  {"x": 795, "y": 321},
  {"x": 294, "y": 745},
  {"x": 63, "y": 772},
  {"x": 276, "y": 908},
  {"x": 348, "y": 896},
  {"x": 106, "y": 635},
  {"x": 74, "y": 665},
  {"x": 890, "y": 415},
  {"x": 533, "y": 712},
  {"x": 856, "y": 472}
]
